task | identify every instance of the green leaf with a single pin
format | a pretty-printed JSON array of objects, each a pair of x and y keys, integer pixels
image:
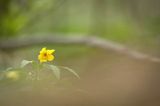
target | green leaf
[
  {"x": 72, "y": 71},
  {"x": 25, "y": 62},
  {"x": 55, "y": 70}
]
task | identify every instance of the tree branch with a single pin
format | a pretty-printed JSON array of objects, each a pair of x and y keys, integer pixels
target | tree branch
[{"x": 91, "y": 41}]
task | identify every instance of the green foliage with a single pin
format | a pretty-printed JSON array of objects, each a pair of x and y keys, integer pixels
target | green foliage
[
  {"x": 31, "y": 70},
  {"x": 52, "y": 16},
  {"x": 70, "y": 70},
  {"x": 25, "y": 62},
  {"x": 55, "y": 70}
]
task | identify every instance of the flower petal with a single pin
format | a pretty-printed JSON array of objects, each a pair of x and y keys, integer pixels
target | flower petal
[
  {"x": 43, "y": 61},
  {"x": 50, "y": 51},
  {"x": 43, "y": 50},
  {"x": 50, "y": 57},
  {"x": 39, "y": 57}
]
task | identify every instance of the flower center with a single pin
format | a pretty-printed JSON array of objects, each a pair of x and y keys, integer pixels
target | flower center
[{"x": 45, "y": 54}]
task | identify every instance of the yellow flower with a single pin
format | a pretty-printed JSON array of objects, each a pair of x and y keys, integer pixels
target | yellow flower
[
  {"x": 14, "y": 75},
  {"x": 46, "y": 55}
]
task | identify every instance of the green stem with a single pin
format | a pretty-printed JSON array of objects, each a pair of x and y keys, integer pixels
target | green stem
[{"x": 38, "y": 70}]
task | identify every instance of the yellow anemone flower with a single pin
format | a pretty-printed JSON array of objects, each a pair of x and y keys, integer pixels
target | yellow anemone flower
[{"x": 46, "y": 55}]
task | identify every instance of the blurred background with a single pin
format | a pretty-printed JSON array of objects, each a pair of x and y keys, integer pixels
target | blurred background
[{"x": 107, "y": 76}]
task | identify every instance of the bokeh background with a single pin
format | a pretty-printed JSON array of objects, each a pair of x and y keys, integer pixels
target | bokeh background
[{"x": 107, "y": 77}]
